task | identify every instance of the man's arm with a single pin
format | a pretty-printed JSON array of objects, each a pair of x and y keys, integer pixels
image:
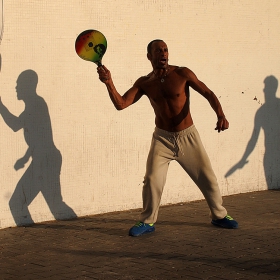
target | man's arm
[
  {"x": 200, "y": 87},
  {"x": 120, "y": 102},
  {"x": 12, "y": 121}
]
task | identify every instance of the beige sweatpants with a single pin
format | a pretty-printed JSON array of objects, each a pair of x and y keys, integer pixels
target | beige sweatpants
[{"x": 186, "y": 148}]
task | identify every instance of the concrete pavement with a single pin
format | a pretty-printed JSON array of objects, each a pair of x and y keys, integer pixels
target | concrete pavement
[{"x": 184, "y": 246}]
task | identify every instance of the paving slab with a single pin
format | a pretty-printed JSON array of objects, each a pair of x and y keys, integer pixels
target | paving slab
[{"x": 184, "y": 246}]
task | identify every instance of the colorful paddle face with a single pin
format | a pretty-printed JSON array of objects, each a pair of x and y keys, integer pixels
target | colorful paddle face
[{"x": 91, "y": 45}]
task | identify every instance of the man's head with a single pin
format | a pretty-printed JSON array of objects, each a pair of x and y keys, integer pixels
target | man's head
[{"x": 157, "y": 53}]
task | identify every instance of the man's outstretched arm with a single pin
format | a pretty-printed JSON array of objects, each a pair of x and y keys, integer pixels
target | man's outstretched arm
[
  {"x": 120, "y": 102},
  {"x": 200, "y": 87}
]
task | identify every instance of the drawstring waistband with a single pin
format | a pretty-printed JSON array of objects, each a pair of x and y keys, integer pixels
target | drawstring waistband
[
  {"x": 173, "y": 137},
  {"x": 177, "y": 146}
]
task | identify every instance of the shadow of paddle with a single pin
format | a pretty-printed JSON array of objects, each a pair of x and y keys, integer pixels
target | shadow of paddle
[{"x": 43, "y": 173}]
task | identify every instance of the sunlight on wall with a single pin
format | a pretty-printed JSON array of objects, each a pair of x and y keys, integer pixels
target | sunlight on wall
[{"x": 232, "y": 46}]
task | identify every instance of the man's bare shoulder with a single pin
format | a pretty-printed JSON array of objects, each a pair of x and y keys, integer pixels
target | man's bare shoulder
[
  {"x": 143, "y": 79},
  {"x": 183, "y": 71}
]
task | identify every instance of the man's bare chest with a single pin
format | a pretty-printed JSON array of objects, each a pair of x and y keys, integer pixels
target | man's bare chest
[{"x": 169, "y": 89}]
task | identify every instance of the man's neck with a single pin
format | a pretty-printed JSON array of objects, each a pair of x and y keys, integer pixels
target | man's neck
[{"x": 161, "y": 72}]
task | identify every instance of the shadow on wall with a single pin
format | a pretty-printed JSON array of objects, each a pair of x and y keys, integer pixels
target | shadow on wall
[
  {"x": 43, "y": 174},
  {"x": 267, "y": 118}
]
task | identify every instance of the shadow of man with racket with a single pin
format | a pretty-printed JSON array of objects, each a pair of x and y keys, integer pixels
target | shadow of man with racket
[
  {"x": 268, "y": 119},
  {"x": 43, "y": 173}
]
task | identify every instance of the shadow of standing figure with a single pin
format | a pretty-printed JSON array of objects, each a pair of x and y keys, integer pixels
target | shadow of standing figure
[
  {"x": 266, "y": 118},
  {"x": 43, "y": 173}
]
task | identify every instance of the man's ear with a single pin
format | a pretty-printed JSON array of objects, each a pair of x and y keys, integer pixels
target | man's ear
[{"x": 149, "y": 56}]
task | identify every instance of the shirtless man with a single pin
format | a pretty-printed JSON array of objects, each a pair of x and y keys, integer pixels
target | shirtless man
[{"x": 175, "y": 136}]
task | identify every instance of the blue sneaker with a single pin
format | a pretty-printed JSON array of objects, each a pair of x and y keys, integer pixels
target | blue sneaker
[
  {"x": 226, "y": 222},
  {"x": 141, "y": 228}
]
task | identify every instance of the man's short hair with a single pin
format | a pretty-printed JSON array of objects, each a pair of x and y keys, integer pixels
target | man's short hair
[{"x": 149, "y": 47}]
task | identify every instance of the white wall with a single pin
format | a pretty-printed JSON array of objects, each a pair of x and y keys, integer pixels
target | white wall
[{"x": 232, "y": 46}]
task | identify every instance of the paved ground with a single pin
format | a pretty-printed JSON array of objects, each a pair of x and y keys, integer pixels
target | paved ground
[{"x": 184, "y": 246}]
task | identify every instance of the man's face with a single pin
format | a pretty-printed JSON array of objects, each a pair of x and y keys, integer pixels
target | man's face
[{"x": 159, "y": 55}]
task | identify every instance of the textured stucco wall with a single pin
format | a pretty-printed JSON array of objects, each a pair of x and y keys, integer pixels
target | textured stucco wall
[{"x": 232, "y": 46}]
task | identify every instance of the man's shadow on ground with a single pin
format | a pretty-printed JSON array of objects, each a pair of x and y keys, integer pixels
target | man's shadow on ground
[
  {"x": 268, "y": 119},
  {"x": 43, "y": 173}
]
